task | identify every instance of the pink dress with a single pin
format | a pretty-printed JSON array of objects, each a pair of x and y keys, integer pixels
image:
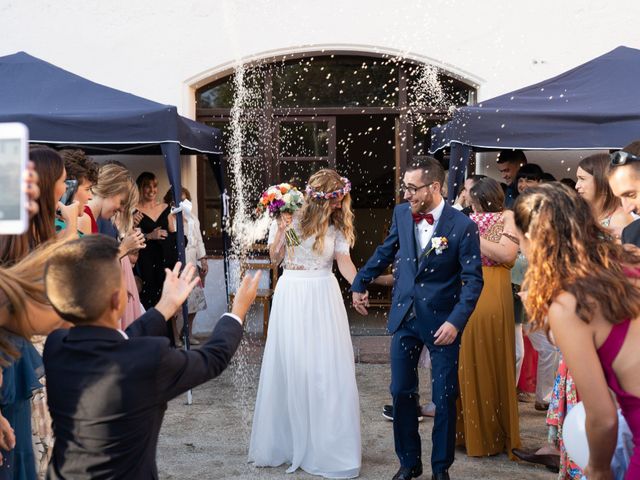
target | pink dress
[
  {"x": 629, "y": 404},
  {"x": 133, "y": 310}
]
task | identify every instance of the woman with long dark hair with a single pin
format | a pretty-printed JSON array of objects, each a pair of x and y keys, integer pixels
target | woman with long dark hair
[
  {"x": 49, "y": 166},
  {"x": 593, "y": 186}
]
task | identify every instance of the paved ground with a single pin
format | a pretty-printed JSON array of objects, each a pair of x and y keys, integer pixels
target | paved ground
[{"x": 209, "y": 439}]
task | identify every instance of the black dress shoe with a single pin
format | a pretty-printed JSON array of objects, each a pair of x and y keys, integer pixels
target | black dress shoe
[
  {"x": 440, "y": 476},
  {"x": 387, "y": 413},
  {"x": 406, "y": 473}
]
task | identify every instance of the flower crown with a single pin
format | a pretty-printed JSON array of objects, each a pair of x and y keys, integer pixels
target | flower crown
[{"x": 329, "y": 195}]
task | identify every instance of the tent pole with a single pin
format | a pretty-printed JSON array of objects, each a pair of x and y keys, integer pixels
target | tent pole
[
  {"x": 458, "y": 162},
  {"x": 171, "y": 153},
  {"x": 215, "y": 161}
]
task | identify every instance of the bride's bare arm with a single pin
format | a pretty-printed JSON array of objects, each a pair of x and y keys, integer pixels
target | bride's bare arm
[
  {"x": 345, "y": 265},
  {"x": 277, "y": 248}
]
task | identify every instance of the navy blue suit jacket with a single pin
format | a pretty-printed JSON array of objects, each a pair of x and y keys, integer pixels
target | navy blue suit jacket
[{"x": 440, "y": 288}]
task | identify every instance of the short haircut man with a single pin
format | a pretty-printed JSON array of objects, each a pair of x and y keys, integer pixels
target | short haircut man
[
  {"x": 81, "y": 276},
  {"x": 509, "y": 163},
  {"x": 432, "y": 170},
  {"x": 512, "y": 156},
  {"x": 107, "y": 389},
  {"x": 624, "y": 180}
]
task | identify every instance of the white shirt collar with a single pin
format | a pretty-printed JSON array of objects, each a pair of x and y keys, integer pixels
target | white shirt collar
[{"x": 126, "y": 337}]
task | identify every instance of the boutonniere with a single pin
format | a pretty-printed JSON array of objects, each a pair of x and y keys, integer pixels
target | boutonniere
[{"x": 439, "y": 245}]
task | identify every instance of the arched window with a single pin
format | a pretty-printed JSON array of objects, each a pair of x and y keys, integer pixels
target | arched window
[{"x": 366, "y": 116}]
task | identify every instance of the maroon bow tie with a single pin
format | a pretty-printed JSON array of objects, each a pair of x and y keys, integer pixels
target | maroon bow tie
[{"x": 418, "y": 217}]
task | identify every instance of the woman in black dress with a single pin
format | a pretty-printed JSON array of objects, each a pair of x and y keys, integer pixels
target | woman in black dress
[{"x": 160, "y": 251}]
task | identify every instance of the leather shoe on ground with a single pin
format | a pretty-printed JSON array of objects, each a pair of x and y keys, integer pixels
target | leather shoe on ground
[
  {"x": 387, "y": 413},
  {"x": 440, "y": 476},
  {"x": 552, "y": 462},
  {"x": 406, "y": 473},
  {"x": 541, "y": 407}
]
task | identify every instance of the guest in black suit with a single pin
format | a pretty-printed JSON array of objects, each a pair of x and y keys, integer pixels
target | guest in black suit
[{"x": 108, "y": 389}]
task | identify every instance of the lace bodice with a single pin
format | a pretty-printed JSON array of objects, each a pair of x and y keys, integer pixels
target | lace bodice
[
  {"x": 302, "y": 257},
  {"x": 490, "y": 227}
]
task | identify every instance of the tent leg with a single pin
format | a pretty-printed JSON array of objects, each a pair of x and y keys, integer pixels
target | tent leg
[
  {"x": 215, "y": 161},
  {"x": 458, "y": 161},
  {"x": 171, "y": 153}
]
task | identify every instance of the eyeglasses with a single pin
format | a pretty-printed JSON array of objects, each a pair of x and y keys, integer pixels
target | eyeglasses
[
  {"x": 621, "y": 158},
  {"x": 413, "y": 190}
]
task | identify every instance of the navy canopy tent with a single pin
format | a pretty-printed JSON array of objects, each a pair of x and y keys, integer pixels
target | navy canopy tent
[
  {"x": 65, "y": 110},
  {"x": 595, "y": 106}
]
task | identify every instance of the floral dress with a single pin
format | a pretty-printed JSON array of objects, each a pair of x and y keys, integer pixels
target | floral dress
[{"x": 563, "y": 398}]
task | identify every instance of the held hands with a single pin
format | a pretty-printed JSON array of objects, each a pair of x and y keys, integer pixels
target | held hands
[
  {"x": 69, "y": 213},
  {"x": 361, "y": 302},
  {"x": 177, "y": 287},
  {"x": 7, "y": 437},
  {"x": 446, "y": 334},
  {"x": 157, "y": 234},
  {"x": 134, "y": 240},
  {"x": 137, "y": 218},
  {"x": 204, "y": 268},
  {"x": 245, "y": 295}
]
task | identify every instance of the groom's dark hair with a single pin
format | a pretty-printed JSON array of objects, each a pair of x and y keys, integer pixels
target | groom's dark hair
[{"x": 432, "y": 170}]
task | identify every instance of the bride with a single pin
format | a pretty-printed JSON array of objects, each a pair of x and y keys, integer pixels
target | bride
[{"x": 307, "y": 411}]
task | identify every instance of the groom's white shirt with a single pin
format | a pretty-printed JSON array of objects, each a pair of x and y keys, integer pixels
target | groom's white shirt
[{"x": 424, "y": 230}]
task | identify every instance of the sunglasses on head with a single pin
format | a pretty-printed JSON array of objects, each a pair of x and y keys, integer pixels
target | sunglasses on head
[{"x": 621, "y": 158}]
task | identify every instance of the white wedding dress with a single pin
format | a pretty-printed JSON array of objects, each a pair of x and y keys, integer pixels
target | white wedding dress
[{"x": 307, "y": 412}]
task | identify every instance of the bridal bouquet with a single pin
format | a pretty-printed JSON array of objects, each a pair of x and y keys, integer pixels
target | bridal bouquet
[{"x": 279, "y": 199}]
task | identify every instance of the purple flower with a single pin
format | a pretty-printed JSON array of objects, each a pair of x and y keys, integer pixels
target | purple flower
[{"x": 275, "y": 206}]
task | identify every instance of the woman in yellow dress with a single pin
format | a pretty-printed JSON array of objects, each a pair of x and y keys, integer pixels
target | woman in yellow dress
[{"x": 488, "y": 405}]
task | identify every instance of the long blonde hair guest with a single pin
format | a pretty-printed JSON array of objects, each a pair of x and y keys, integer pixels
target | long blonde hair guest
[
  {"x": 110, "y": 194},
  {"x": 328, "y": 202}
]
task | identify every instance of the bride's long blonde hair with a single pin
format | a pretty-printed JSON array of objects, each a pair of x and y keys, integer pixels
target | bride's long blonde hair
[{"x": 317, "y": 213}]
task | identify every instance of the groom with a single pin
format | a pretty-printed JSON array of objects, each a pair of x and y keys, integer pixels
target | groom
[{"x": 438, "y": 281}]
